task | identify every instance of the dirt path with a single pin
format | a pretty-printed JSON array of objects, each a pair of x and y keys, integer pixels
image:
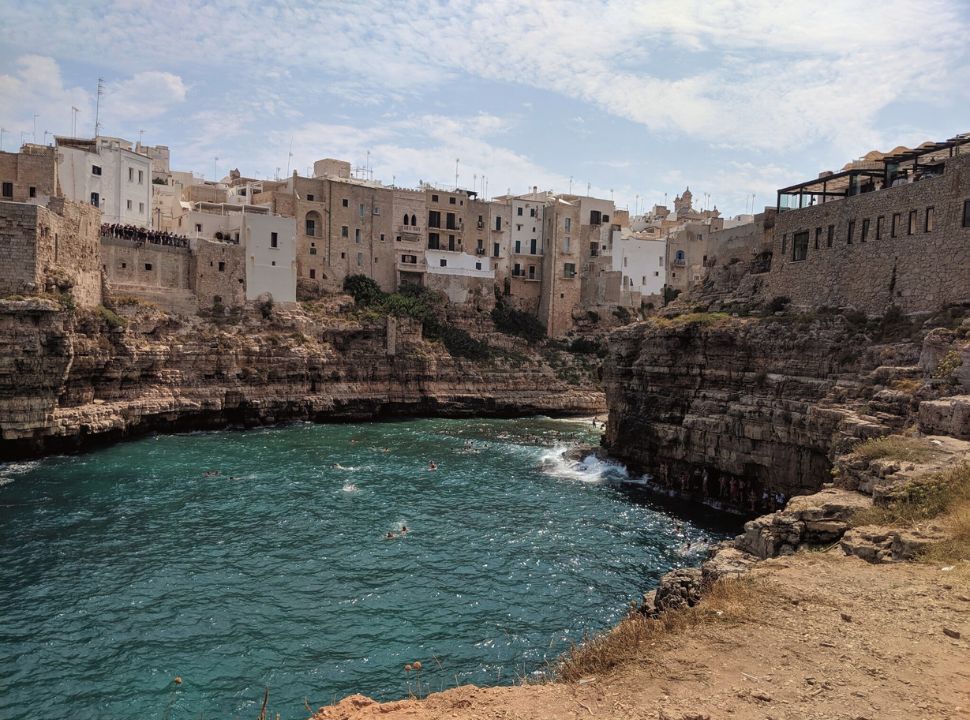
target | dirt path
[{"x": 833, "y": 638}]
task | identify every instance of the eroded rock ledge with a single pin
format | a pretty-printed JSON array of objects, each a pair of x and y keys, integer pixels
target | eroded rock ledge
[{"x": 70, "y": 380}]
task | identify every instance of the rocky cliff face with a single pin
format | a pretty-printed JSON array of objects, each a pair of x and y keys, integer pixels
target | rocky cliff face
[
  {"x": 744, "y": 412},
  {"x": 67, "y": 379}
]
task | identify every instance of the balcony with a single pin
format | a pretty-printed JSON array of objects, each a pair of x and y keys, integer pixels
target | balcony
[{"x": 419, "y": 266}]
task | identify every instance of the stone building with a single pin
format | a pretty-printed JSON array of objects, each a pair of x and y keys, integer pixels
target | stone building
[
  {"x": 561, "y": 294},
  {"x": 410, "y": 216},
  {"x": 51, "y": 249},
  {"x": 875, "y": 237},
  {"x": 29, "y": 176},
  {"x": 107, "y": 173}
]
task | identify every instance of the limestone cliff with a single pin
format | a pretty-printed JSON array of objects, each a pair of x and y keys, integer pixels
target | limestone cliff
[
  {"x": 69, "y": 378},
  {"x": 744, "y": 412}
]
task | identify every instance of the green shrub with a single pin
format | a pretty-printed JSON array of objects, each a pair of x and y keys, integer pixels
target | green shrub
[
  {"x": 777, "y": 304},
  {"x": 592, "y": 316},
  {"x": 111, "y": 318},
  {"x": 460, "y": 344},
  {"x": 585, "y": 346},
  {"x": 364, "y": 290},
  {"x": 622, "y": 314},
  {"x": 265, "y": 307},
  {"x": 516, "y": 322}
]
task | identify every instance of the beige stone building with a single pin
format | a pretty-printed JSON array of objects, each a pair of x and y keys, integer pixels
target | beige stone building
[{"x": 29, "y": 176}]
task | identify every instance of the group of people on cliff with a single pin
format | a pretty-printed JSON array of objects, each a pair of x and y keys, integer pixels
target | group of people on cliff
[
  {"x": 139, "y": 234},
  {"x": 738, "y": 492}
]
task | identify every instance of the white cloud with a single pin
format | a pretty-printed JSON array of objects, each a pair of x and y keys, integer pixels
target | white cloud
[
  {"x": 36, "y": 87},
  {"x": 143, "y": 96}
]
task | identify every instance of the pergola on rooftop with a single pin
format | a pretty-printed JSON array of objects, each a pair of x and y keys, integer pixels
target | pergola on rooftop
[{"x": 874, "y": 172}]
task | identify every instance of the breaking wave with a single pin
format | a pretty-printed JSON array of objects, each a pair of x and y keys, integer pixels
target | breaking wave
[{"x": 590, "y": 469}]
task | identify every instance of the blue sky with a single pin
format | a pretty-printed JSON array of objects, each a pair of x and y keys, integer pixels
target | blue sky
[{"x": 732, "y": 97}]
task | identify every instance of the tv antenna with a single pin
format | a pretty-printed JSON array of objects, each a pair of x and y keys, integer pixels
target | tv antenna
[{"x": 97, "y": 108}]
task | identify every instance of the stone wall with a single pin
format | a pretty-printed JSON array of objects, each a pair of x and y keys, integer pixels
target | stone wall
[
  {"x": 135, "y": 265},
  {"x": 32, "y": 173},
  {"x": 916, "y": 271},
  {"x": 51, "y": 249},
  {"x": 463, "y": 290},
  {"x": 220, "y": 274}
]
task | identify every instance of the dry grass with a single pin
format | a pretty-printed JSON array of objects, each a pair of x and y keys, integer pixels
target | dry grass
[
  {"x": 906, "y": 385},
  {"x": 944, "y": 497},
  {"x": 726, "y": 601},
  {"x": 897, "y": 447}
]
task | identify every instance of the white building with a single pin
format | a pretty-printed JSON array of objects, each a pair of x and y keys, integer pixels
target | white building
[
  {"x": 525, "y": 236},
  {"x": 107, "y": 173},
  {"x": 642, "y": 264},
  {"x": 268, "y": 241},
  {"x": 462, "y": 277}
]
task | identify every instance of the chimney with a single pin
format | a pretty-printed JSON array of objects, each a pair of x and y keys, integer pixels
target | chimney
[{"x": 535, "y": 189}]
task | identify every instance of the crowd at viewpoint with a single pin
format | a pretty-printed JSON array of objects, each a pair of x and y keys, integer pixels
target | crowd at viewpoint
[{"x": 139, "y": 234}]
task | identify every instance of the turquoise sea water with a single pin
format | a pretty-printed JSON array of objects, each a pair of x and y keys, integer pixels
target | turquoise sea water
[{"x": 245, "y": 560}]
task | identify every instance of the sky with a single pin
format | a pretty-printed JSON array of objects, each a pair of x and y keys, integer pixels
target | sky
[{"x": 630, "y": 100}]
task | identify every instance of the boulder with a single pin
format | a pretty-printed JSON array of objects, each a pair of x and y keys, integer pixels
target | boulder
[{"x": 679, "y": 588}]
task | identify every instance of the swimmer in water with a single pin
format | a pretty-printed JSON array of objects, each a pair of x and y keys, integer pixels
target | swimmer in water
[
  {"x": 404, "y": 528},
  {"x": 432, "y": 465},
  {"x": 390, "y": 535}
]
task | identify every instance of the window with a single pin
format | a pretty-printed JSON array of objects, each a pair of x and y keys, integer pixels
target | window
[
  {"x": 565, "y": 244},
  {"x": 141, "y": 207},
  {"x": 567, "y": 224},
  {"x": 131, "y": 174},
  {"x": 32, "y": 191},
  {"x": 569, "y": 270},
  {"x": 414, "y": 220},
  {"x": 222, "y": 266},
  {"x": 830, "y": 237},
  {"x": 95, "y": 169},
  {"x": 606, "y": 218},
  {"x": 309, "y": 197},
  {"x": 313, "y": 274},
  {"x": 518, "y": 247},
  {"x": 928, "y": 226},
  {"x": 382, "y": 237},
  {"x": 356, "y": 235},
  {"x": 517, "y": 270},
  {"x": 625, "y": 261},
  {"x": 451, "y": 200},
  {"x": 495, "y": 249},
  {"x": 274, "y": 240},
  {"x": 966, "y": 213},
  {"x": 799, "y": 244},
  {"x": 129, "y": 204},
  {"x": 519, "y": 212},
  {"x": 345, "y": 202},
  {"x": 434, "y": 198},
  {"x": 478, "y": 266},
  {"x": 865, "y": 230},
  {"x": 532, "y": 272},
  {"x": 360, "y": 259},
  {"x": 344, "y": 231},
  {"x": 148, "y": 266},
  {"x": 451, "y": 242},
  {"x": 406, "y": 220},
  {"x": 911, "y": 227},
  {"x": 313, "y": 248},
  {"x": 443, "y": 262},
  {"x": 8, "y": 189},
  {"x": 532, "y": 246},
  {"x": 498, "y": 223},
  {"x": 818, "y": 237},
  {"x": 450, "y": 222},
  {"x": 95, "y": 199},
  {"x": 434, "y": 241},
  {"x": 532, "y": 212},
  {"x": 434, "y": 219},
  {"x": 595, "y": 217},
  {"x": 273, "y": 263},
  {"x": 361, "y": 210},
  {"x": 851, "y": 233},
  {"x": 141, "y": 176},
  {"x": 879, "y": 227},
  {"x": 895, "y": 225}
]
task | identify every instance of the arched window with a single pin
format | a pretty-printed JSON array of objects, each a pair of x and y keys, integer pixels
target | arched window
[
  {"x": 314, "y": 224},
  {"x": 414, "y": 221},
  {"x": 680, "y": 255},
  {"x": 405, "y": 218}
]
